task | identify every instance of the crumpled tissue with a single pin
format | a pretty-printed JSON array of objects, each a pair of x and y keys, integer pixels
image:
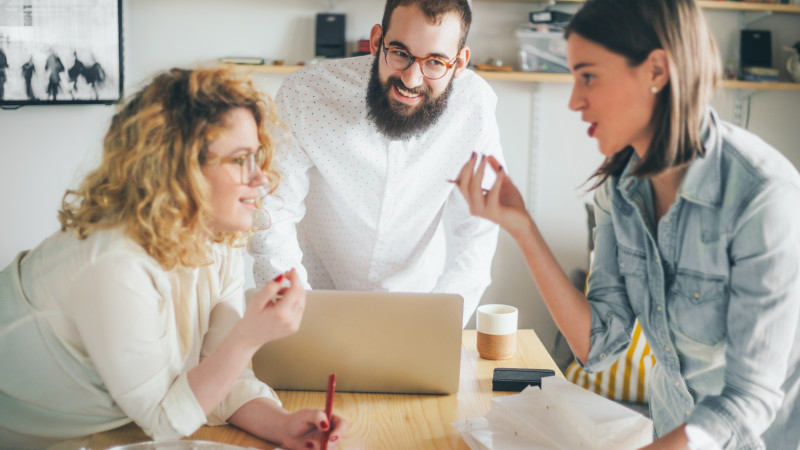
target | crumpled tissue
[{"x": 559, "y": 415}]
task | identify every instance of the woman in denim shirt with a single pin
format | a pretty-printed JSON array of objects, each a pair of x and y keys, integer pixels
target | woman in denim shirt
[{"x": 697, "y": 232}]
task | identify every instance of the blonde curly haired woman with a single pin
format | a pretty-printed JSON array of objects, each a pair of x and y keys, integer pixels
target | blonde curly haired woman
[{"x": 134, "y": 310}]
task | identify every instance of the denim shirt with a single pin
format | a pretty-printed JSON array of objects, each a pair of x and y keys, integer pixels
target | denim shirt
[{"x": 715, "y": 285}]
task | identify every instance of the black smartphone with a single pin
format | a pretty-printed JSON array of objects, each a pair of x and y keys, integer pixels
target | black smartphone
[{"x": 515, "y": 380}]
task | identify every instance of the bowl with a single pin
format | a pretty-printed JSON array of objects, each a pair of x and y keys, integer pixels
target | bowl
[{"x": 178, "y": 445}]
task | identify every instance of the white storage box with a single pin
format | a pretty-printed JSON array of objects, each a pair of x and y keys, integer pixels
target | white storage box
[{"x": 542, "y": 51}]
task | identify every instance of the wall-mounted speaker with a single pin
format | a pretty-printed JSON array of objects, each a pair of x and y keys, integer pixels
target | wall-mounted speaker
[
  {"x": 330, "y": 41},
  {"x": 756, "y": 48}
]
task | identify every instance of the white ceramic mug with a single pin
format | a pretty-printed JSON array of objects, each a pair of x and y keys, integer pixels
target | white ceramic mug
[{"x": 497, "y": 331}]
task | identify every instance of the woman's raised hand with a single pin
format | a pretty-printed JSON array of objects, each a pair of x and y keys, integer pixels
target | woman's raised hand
[
  {"x": 275, "y": 311},
  {"x": 502, "y": 204}
]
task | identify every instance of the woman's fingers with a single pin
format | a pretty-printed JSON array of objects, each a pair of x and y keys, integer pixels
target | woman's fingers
[
  {"x": 502, "y": 204},
  {"x": 465, "y": 175},
  {"x": 469, "y": 182},
  {"x": 267, "y": 293},
  {"x": 475, "y": 189},
  {"x": 338, "y": 429},
  {"x": 494, "y": 163},
  {"x": 493, "y": 197},
  {"x": 289, "y": 309},
  {"x": 482, "y": 202},
  {"x": 294, "y": 281},
  {"x": 295, "y": 294},
  {"x": 310, "y": 426}
]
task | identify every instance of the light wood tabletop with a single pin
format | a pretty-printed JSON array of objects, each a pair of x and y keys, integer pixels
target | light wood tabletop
[{"x": 397, "y": 421}]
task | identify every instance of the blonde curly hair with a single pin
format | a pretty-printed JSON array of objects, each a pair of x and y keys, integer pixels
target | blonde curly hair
[{"x": 150, "y": 180}]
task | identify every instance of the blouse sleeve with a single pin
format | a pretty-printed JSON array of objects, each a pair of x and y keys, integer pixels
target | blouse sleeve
[
  {"x": 122, "y": 309},
  {"x": 120, "y": 306},
  {"x": 224, "y": 315}
]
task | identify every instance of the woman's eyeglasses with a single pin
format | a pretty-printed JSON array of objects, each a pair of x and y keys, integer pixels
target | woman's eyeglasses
[{"x": 248, "y": 164}]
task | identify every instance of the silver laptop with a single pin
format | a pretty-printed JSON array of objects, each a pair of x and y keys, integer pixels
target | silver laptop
[{"x": 374, "y": 342}]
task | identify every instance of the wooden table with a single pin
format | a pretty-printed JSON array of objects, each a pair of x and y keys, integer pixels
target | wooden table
[{"x": 395, "y": 421}]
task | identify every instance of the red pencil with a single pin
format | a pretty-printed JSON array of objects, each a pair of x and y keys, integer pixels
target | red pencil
[{"x": 329, "y": 409}]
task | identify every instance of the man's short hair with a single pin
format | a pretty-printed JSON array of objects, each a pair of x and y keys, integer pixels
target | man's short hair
[{"x": 434, "y": 10}]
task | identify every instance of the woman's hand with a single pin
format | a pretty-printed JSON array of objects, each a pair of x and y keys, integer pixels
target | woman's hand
[
  {"x": 502, "y": 204},
  {"x": 273, "y": 312},
  {"x": 304, "y": 429},
  {"x": 308, "y": 428}
]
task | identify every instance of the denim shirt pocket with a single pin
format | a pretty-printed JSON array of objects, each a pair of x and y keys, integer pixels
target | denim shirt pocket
[
  {"x": 633, "y": 268},
  {"x": 699, "y": 306}
]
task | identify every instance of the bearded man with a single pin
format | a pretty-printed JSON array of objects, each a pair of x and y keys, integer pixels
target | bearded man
[{"x": 365, "y": 203}]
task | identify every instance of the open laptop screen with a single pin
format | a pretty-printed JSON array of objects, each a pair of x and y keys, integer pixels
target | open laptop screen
[{"x": 374, "y": 341}]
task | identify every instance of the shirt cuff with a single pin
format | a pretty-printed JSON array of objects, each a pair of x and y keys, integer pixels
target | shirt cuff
[
  {"x": 699, "y": 439},
  {"x": 180, "y": 405},
  {"x": 245, "y": 389},
  {"x": 609, "y": 339},
  {"x": 714, "y": 423}
]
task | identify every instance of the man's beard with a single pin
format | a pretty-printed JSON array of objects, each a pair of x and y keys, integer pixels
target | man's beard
[{"x": 396, "y": 120}]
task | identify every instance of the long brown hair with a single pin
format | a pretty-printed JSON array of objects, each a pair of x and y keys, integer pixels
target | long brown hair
[
  {"x": 150, "y": 180},
  {"x": 633, "y": 29}
]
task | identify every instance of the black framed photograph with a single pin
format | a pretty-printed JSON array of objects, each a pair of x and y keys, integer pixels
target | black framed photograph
[{"x": 60, "y": 52}]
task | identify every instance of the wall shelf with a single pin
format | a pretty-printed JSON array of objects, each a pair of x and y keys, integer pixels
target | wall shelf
[
  {"x": 535, "y": 77},
  {"x": 750, "y": 6},
  {"x": 531, "y": 77},
  {"x": 708, "y": 4},
  {"x": 264, "y": 68},
  {"x": 772, "y": 86}
]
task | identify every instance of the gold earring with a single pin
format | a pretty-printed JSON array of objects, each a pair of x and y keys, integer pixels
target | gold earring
[{"x": 654, "y": 90}]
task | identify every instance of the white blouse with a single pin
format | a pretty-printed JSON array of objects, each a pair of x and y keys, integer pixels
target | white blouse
[
  {"x": 90, "y": 340},
  {"x": 358, "y": 211}
]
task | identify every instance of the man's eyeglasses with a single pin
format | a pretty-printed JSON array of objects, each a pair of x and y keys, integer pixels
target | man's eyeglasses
[
  {"x": 248, "y": 164},
  {"x": 432, "y": 67}
]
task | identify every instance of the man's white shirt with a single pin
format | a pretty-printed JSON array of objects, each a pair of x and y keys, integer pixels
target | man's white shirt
[{"x": 358, "y": 211}]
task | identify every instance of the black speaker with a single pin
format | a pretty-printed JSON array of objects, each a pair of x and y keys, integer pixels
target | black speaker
[
  {"x": 756, "y": 48},
  {"x": 330, "y": 35}
]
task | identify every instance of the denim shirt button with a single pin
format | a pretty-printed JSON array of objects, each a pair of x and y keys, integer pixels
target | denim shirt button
[
  {"x": 667, "y": 349},
  {"x": 696, "y": 295},
  {"x": 677, "y": 384},
  {"x": 621, "y": 265},
  {"x": 658, "y": 308},
  {"x": 602, "y": 356},
  {"x": 666, "y": 219}
]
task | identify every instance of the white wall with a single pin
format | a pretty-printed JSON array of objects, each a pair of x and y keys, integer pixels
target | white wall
[{"x": 44, "y": 150}]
